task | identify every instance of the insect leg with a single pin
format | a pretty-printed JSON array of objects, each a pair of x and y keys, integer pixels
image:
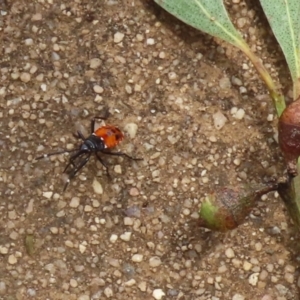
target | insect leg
[
  {"x": 121, "y": 154},
  {"x": 55, "y": 153},
  {"x": 76, "y": 170},
  {"x": 103, "y": 163}
]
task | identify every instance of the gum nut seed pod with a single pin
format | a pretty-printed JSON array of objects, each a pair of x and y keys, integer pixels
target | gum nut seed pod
[
  {"x": 227, "y": 208},
  {"x": 289, "y": 135}
]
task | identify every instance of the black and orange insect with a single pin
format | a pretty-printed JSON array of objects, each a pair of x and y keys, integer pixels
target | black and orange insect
[{"x": 100, "y": 141}]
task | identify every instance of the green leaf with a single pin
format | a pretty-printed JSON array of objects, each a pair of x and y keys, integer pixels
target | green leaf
[
  {"x": 284, "y": 19},
  {"x": 209, "y": 16}
]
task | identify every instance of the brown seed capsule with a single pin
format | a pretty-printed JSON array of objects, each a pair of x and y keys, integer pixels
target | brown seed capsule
[
  {"x": 227, "y": 208},
  {"x": 289, "y": 135}
]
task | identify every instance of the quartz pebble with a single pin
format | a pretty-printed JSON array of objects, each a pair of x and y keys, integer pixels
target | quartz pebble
[
  {"x": 253, "y": 279},
  {"x": 95, "y": 63},
  {"x": 75, "y": 201},
  {"x": 12, "y": 259},
  {"x": 126, "y": 236},
  {"x": 98, "y": 89},
  {"x": 137, "y": 257},
  {"x": 154, "y": 262},
  {"x": 131, "y": 129},
  {"x": 219, "y": 120},
  {"x": 238, "y": 297},
  {"x": 97, "y": 187},
  {"x": 158, "y": 294},
  {"x": 118, "y": 37},
  {"x": 229, "y": 253},
  {"x": 25, "y": 77}
]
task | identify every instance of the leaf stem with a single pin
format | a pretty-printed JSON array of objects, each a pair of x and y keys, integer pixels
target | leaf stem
[{"x": 278, "y": 98}]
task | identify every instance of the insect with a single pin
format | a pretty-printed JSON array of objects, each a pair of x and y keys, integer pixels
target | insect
[{"x": 100, "y": 141}]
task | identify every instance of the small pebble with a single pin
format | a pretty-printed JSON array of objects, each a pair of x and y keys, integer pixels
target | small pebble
[
  {"x": 12, "y": 259},
  {"x": 239, "y": 115},
  {"x": 154, "y": 262},
  {"x": 229, "y": 253},
  {"x": 113, "y": 238},
  {"x": 128, "y": 89},
  {"x": 47, "y": 195},
  {"x": 134, "y": 192},
  {"x": 130, "y": 282},
  {"x": 97, "y": 187},
  {"x": 3, "y": 250},
  {"x": 225, "y": 83},
  {"x": 118, "y": 37},
  {"x": 219, "y": 120},
  {"x": 95, "y": 63},
  {"x": 73, "y": 283},
  {"x": 126, "y": 236},
  {"x": 137, "y": 257},
  {"x": 75, "y": 201},
  {"x": 238, "y": 297},
  {"x": 158, "y": 294},
  {"x": 98, "y": 89},
  {"x": 247, "y": 266},
  {"x": 25, "y": 77},
  {"x": 108, "y": 292},
  {"x": 83, "y": 297},
  {"x": 150, "y": 41},
  {"x": 253, "y": 279},
  {"x": 118, "y": 169},
  {"x": 131, "y": 129},
  {"x": 143, "y": 286},
  {"x": 128, "y": 221}
]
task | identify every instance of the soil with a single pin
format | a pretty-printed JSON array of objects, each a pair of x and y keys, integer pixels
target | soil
[{"x": 135, "y": 235}]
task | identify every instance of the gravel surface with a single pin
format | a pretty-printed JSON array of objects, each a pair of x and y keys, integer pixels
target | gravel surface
[{"x": 192, "y": 107}]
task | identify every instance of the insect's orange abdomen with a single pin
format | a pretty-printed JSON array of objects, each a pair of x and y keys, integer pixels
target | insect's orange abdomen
[{"x": 110, "y": 135}]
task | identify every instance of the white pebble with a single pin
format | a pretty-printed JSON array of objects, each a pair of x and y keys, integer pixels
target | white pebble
[
  {"x": 82, "y": 248},
  {"x": 75, "y": 201},
  {"x": 95, "y": 63},
  {"x": 108, "y": 292},
  {"x": 131, "y": 129},
  {"x": 137, "y": 257},
  {"x": 229, "y": 253},
  {"x": 3, "y": 250},
  {"x": 44, "y": 87},
  {"x": 25, "y": 77},
  {"x": 118, "y": 169},
  {"x": 98, "y": 89},
  {"x": 113, "y": 238},
  {"x": 253, "y": 279},
  {"x": 247, "y": 266},
  {"x": 118, "y": 37},
  {"x": 150, "y": 41},
  {"x": 28, "y": 42},
  {"x": 238, "y": 297},
  {"x": 12, "y": 259},
  {"x": 154, "y": 262},
  {"x": 270, "y": 117},
  {"x": 219, "y": 120},
  {"x": 47, "y": 195},
  {"x": 97, "y": 187},
  {"x": 237, "y": 161},
  {"x": 128, "y": 89},
  {"x": 126, "y": 236},
  {"x": 158, "y": 294},
  {"x": 130, "y": 282},
  {"x": 239, "y": 115}
]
